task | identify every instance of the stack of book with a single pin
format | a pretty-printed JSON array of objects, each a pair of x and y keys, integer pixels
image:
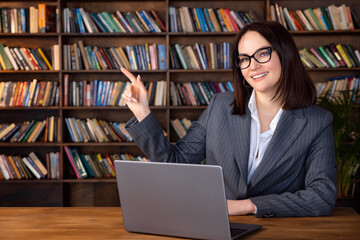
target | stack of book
[
  {"x": 29, "y": 94},
  {"x": 335, "y": 88},
  {"x": 93, "y": 130},
  {"x": 79, "y": 21},
  {"x": 320, "y": 18},
  {"x": 185, "y": 19},
  {"x": 40, "y": 19},
  {"x": 156, "y": 93},
  {"x": 180, "y": 126},
  {"x": 139, "y": 57},
  {"x": 108, "y": 93},
  {"x": 30, "y": 131},
  {"x": 196, "y": 93},
  {"x": 200, "y": 56},
  {"x": 29, "y": 167},
  {"x": 22, "y": 58},
  {"x": 96, "y": 165},
  {"x": 330, "y": 56}
]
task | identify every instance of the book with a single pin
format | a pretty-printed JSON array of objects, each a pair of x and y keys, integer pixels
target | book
[
  {"x": 38, "y": 163},
  {"x": 343, "y": 55},
  {"x": 158, "y": 20},
  {"x": 45, "y": 58},
  {"x": 181, "y": 57},
  {"x": 72, "y": 162},
  {"x": 31, "y": 167},
  {"x": 162, "y": 56},
  {"x": 78, "y": 162},
  {"x": 326, "y": 55},
  {"x": 7, "y": 130}
]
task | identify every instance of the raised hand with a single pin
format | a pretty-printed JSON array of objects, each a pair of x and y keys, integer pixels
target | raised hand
[{"x": 135, "y": 96}]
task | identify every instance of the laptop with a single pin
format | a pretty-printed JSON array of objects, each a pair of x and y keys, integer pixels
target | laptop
[{"x": 183, "y": 200}]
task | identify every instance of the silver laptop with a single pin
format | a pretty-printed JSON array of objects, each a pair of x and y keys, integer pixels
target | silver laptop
[{"x": 184, "y": 200}]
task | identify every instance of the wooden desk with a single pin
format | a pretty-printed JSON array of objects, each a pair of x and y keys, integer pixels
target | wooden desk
[{"x": 106, "y": 223}]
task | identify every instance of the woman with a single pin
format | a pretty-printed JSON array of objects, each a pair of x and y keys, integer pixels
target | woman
[{"x": 275, "y": 147}]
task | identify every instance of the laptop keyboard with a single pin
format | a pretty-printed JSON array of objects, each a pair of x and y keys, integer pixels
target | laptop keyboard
[{"x": 236, "y": 231}]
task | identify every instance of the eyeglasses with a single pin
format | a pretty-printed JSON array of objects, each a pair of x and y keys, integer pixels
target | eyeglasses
[{"x": 262, "y": 55}]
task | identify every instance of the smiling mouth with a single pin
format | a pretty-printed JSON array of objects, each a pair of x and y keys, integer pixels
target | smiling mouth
[{"x": 260, "y": 75}]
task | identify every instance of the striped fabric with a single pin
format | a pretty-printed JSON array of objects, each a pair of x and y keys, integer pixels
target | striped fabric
[{"x": 296, "y": 177}]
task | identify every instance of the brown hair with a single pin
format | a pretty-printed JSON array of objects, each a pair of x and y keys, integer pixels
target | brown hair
[{"x": 296, "y": 88}]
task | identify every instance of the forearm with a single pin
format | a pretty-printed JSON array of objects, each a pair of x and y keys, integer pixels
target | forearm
[
  {"x": 317, "y": 200},
  {"x": 148, "y": 135},
  {"x": 142, "y": 114}
]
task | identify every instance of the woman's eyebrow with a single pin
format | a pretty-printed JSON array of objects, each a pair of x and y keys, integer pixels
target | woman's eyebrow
[{"x": 254, "y": 51}]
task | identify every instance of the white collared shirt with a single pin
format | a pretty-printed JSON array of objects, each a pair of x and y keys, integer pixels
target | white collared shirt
[{"x": 259, "y": 141}]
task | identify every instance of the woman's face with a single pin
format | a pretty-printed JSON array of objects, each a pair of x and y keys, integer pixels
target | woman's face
[{"x": 263, "y": 77}]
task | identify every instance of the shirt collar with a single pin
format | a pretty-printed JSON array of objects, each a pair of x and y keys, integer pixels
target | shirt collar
[
  {"x": 254, "y": 114},
  {"x": 252, "y": 103}
]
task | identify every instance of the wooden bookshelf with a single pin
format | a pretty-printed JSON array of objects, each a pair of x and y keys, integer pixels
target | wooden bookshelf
[{"x": 69, "y": 191}]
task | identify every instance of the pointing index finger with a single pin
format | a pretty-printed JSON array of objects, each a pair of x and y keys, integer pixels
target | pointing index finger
[{"x": 129, "y": 75}]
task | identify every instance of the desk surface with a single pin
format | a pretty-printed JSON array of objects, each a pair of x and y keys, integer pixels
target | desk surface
[{"x": 107, "y": 223}]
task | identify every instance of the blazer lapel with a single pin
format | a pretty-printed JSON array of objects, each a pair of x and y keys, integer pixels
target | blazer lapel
[
  {"x": 240, "y": 138},
  {"x": 289, "y": 127}
]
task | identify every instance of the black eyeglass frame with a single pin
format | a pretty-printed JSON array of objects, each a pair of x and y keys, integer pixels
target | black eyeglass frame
[{"x": 271, "y": 49}]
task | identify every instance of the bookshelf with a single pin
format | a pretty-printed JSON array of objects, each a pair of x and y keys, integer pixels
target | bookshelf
[{"x": 69, "y": 191}]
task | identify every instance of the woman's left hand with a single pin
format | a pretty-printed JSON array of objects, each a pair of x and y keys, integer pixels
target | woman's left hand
[{"x": 240, "y": 207}]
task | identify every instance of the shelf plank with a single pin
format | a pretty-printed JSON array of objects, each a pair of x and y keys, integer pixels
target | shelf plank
[
  {"x": 32, "y": 181},
  {"x": 30, "y": 71},
  {"x": 29, "y": 35},
  {"x": 90, "y": 180},
  {"x": 326, "y": 32},
  {"x": 34, "y": 144},
  {"x": 99, "y": 144},
  {"x": 150, "y": 34},
  {"x": 112, "y": 71},
  {"x": 333, "y": 69},
  {"x": 198, "y": 70}
]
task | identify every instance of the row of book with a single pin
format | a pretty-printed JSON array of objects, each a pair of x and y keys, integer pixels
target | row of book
[
  {"x": 196, "y": 93},
  {"x": 40, "y": 19},
  {"x": 96, "y": 165},
  {"x": 29, "y": 167},
  {"x": 94, "y": 130},
  {"x": 330, "y": 56},
  {"x": 138, "y": 57},
  {"x": 200, "y": 56},
  {"x": 320, "y": 18},
  {"x": 153, "y": 56},
  {"x": 335, "y": 88},
  {"x": 46, "y": 130},
  {"x": 108, "y": 93},
  {"x": 180, "y": 126},
  {"x": 185, "y": 19},
  {"x": 22, "y": 58},
  {"x": 29, "y": 93},
  {"x": 77, "y": 20}
]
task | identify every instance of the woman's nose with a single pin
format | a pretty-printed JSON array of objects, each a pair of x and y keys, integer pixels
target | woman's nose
[{"x": 254, "y": 64}]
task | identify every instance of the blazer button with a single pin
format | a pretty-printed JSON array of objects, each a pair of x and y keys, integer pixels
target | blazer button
[{"x": 269, "y": 215}]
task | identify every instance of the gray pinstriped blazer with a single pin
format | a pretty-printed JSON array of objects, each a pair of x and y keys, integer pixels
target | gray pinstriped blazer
[{"x": 296, "y": 177}]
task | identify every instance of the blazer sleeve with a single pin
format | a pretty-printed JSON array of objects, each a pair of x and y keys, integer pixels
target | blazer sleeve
[
  {"x": 319, "y": 195},
  {"x": 148, "y": 135}
]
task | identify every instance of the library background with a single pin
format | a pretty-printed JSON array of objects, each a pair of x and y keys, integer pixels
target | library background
[{"x": 61, "y": 113}]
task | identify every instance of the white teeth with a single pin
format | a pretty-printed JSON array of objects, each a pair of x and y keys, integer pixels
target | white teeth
[{"x": 260, "y": 75}]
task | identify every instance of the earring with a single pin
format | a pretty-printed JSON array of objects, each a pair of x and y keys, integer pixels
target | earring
[{"x": 246, "y": 85}]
